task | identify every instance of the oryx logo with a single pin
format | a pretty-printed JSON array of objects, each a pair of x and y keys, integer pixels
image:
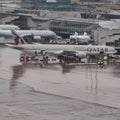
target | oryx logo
[{"x": 17, "y": 38}]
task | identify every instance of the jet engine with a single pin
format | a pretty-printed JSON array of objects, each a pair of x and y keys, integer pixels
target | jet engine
[
  {"x": 80, "y": 54},
  {"x": 36, "y": 37},
  {"x": 71, "y": 56}
]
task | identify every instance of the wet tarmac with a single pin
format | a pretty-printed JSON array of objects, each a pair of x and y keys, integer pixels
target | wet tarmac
[{"x": 33, "y": 91}]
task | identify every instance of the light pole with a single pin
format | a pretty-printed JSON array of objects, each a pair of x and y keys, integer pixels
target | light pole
[
  {"x": 98, "y": 29},
  {"x": 1, "y": 6},
  {"x": 0, "y": 10}
]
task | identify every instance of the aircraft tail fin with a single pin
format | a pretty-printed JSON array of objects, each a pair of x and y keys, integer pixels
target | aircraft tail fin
[
  {"x": 17, "y": 38},
  {"x": 85, "y": 34}
]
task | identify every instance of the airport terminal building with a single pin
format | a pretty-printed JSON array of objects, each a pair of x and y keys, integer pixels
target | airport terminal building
[
  {"x": 67, "y": 26},
  {"x": 56, "y": 5}
]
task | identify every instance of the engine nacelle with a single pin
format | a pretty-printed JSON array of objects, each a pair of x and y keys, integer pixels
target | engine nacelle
[
  {"x": 37, "y": 37},
  {"x": 71, "y": 56},
  {"x": 66, "y": 57},
  {"x": 80, "y": 54}
]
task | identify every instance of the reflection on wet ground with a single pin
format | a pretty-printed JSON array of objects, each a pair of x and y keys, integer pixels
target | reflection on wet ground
[
  {"x": 65, "y": 80},
  {"x": 91, "y": 72},
  {"x": 18, "y": 71},
  {"x": 116, "y": 71},
  {"x": 33, "y": 91}
]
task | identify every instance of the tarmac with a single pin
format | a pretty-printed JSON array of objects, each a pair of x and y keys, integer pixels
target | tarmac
[{"x": 79, "y": 92}]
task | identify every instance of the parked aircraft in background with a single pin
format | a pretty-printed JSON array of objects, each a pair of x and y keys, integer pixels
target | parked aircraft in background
[
  {"x": 36, "y": 33},
  {"x": 9, "y": 27},
  {"x": 62, "y": 51},
  {"x": 4, "y": 38},
  {"x": 80, "y": 39},
  {"x": 6, "y": 35}
]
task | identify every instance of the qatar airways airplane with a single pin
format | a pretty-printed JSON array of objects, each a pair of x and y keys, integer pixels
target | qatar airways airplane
[
  {"x": 6, "y": 35},
  {"x": 9, "y": 27},
  {"x": 79, "y": 51},
  {"x": 36, "y": 33}
]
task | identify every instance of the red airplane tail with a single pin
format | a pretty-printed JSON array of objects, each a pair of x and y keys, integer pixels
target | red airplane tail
[{"x": 17, "y": 38}]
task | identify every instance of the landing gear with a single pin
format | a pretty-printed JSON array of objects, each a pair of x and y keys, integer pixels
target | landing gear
[
  {"x": 42, "y": 56},
  {"x": 45, "y": 60},
  {"x": 98, "y": 59},
  {"x": 101, "y": 59}
]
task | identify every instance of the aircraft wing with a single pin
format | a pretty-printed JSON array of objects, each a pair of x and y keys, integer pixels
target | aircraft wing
[
  {"x": 67, "y": 55},
  {"x": 36, "y": 43},
  {"x": 14, "y": 46},
  {"x": 55, "y": 52}
]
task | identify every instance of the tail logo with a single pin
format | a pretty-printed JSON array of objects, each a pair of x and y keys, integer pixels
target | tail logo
[{"x": 17, "y": 38}]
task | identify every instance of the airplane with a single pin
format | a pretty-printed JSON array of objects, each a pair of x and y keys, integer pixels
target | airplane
[
  {"x": 3, "y": 37},
  {"x": 36, "y": 35},
  {"x": 9, "y": 27},
  {"x": 63, "y": 52},
  {"x": 76, "y": 38}
]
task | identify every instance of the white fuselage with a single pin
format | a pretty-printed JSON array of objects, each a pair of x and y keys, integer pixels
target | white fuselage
[
  {"x": 29, "y": 32},
  {"x": 88, "y": 49},
  {"x": 9, "y": 27},
  {"x": 6, "y": 35}
]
